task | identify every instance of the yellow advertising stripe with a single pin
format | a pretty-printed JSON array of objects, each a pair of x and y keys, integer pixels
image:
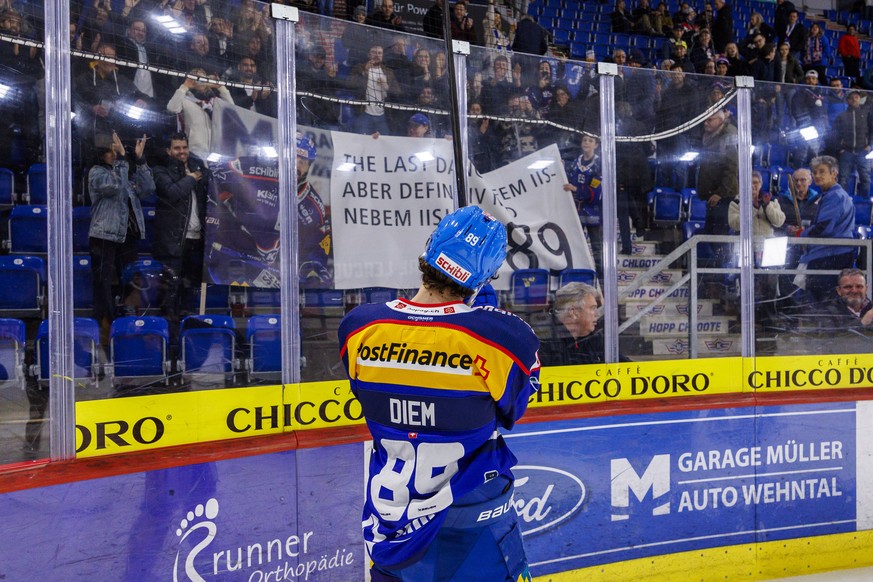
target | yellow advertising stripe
[
  {"x": 121, "y": 425},
  {"x": 787, "y": 374},
  {"x": 565, "y": 385},
  {"x": 761, "y": 561}
]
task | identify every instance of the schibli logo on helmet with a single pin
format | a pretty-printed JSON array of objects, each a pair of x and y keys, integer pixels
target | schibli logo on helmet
[
  {"x": 469, "y": 246},
  {"x": 452, "y": 269}
]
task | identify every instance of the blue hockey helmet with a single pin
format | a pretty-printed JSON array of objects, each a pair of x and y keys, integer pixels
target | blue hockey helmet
[
  {"x": 468, "y": 246},
  {"x": 305, "y": 147}
]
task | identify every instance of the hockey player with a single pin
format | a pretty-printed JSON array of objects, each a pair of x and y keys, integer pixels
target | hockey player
[{"x": 436, "y": 380}]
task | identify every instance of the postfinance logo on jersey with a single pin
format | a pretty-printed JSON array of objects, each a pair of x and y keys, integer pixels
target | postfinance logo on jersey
[{"x": 401, "y": 355}]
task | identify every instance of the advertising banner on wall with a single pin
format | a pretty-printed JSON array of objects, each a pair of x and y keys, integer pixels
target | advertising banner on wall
[
  {"x": 234, "y": 520},
  {"x": 614, "y": 489}
]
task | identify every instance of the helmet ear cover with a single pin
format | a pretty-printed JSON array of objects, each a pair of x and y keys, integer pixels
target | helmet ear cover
[{"x": 468, "y": 246}]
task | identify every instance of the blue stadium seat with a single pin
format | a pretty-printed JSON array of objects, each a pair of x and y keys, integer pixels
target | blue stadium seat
[
  {"x": 264, "y": 336},
  {"x": 138, "y": 348},
  {"x": 81, "y": 224},
  {"x": 852, "y": 186},
  {"x": 780, "y": 177},
  {"x": 777, "y": 155},
  {"x": 217, "y": 299},
  {"x": 83, "y": 292},
  {"x": 22, "y": 279},
  {"x": 322, "y": 310},
  {"x": 7, "y": 187},
  {"x": 378, "y": 294},
  {"x": 688, "y": 195},
  {"x": 144, "y": 276},
  {"x": 666, "y": 207},
  {"x": 262, "y": 299},
  {"x": 690, "y": 228},
  {"x": 86, "y": 341},
  {"x": 863, "y": 210},
  {"x": 37, "y": 191},
  {"x": 208, "y": 345},
  {"x": 12, "y": 348},
  {"x": 529, "y": 288},
  {"x": 588, "y": 276},
  {"x": 562, "y": 37},
  {"x": 28, "y": 230}
]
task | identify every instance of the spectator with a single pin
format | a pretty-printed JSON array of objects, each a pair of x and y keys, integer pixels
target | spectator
[
  {"x": 836, "y": 99},
  {"x": 817, "y": 51},
  {"x": 707, "y": 19},
  {"x": 462, "y": 24},
  {"x": 677, "y": 35},
  {"x": 180, "y": 217},
  {"x": 418, "y": 125},
  {"x": 780, "y": 18},
  {"x": 849, "y": 49},
  {"x": 492, "y": 30},
  {"x": 717, "y": 182},
  {"x": 138, "y": 49},
  {"x": 530, "y": 37},
  {"x": 757, "y": 25},
  {"x": 853, "y": 133},
  {"x": 252, "y": 47},
  {"x": 642, "y": 17},
  {"x": 584, "y": 181},
  {"x": 516, "y": 138},
  {"x": 385, "y": 17},
  {"x": 767, "y": 214},
  {"x": 117, "y": 223},
  {"x": 577, "y": 308},
  {"x": 253, "y": 18},
  {"x": 220, "y": 36},
  {"x": 801, "y": 207},
  {"x": 764, "y": 68},
  {"x": 702, "y": 51},
  {"x": 432, "y": 24},
  {"x": 662, "y": 22},
  {"x": 808, "y": 110},
  {"x": 102, "y": 99},
  {"x": 374, "y": 83},
  {"x": 678, "y": 100},
  {"x": 200, "y": 55},
  {"x": 621, "y": 20},
  {"x": 681, "y": 57},
  {"x": 193, "y": 100},
  {"x": 849, "y": 307},
  {"x": 835, "y": 219},
  {"x": 478, "y": 136},
  {"x": 258, "y": 95},
  {"x": 795, "y": 35},
  {"x": 631, "y": 187},
  {"x": 356, "y": 39},
  {"x": 314, "y": 73},
  {"x": 722, "y": 67},
  {"x": 396, "y": 60},
  {"x": 722, "y": 25},
  {"x": 737, "y": 65},
  {"x": 542, "y": 93},
  {"x": 788, "y": 70},
  {"x": 752, "y": 49},
  {"x": 565, "y": 112},
  {"x": 496, "y": 89}
]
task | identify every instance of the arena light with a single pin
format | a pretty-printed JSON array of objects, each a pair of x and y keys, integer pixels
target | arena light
[
  {"x": 540, "y": 164},
  {"x": 213, "y": 158},
  {"x": 164, "y": 18},
  {"x": 269, "y": 152},
  {"x": 346, "y": 167},
  {"x": 425, "y": 157},
  {"x": 4, "y": 90},
  {"x": 135, "y": 112},
  {"x": 809, "y": 133},
  {"x": 689, "y": 157},
  {"x": 869, "y": 155},
  {"x": 177, "y": 29}
]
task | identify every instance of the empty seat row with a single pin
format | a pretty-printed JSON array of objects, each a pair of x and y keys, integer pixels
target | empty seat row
[{"x": 139, "y": 349}]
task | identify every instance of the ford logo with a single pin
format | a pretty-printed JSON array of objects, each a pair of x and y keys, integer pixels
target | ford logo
[{"x": 545, "y": 496}]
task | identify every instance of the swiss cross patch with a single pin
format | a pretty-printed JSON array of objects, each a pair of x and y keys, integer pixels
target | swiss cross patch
[
  {"x": 448, "y": 310},
  {"x": 413, "y": 435}
]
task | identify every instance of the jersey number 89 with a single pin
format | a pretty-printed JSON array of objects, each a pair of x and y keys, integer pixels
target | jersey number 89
[{"x": 431, "y": 467}]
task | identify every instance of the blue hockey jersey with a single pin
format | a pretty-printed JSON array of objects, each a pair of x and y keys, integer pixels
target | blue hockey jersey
[{"x": 435, "y": 383}]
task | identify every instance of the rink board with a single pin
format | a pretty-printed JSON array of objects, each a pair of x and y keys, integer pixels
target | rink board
[{"x": 596, "y": 492}]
